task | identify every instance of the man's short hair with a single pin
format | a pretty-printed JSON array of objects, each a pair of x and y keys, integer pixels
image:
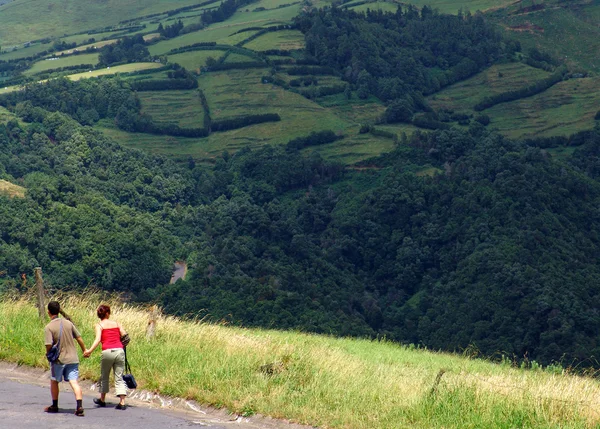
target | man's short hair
[{"x": 54, "y": 308}]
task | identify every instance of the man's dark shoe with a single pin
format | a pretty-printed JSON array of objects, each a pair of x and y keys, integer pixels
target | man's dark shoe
[
  {"x": 99, "y": 402},
  {"x": 51, "y": 409},
  {"x": 79, "y": 412},
  {"x": 121, "y": 407}
]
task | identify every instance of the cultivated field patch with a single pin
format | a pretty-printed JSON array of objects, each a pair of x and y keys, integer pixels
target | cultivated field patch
[
  {"x": 58, "y": 62},
  {"x": 175, "y": 107},
  {"x": 283, "y": 40}
]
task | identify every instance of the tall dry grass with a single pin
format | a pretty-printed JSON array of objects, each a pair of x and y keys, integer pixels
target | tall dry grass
[{"x": 317, "y": 380}]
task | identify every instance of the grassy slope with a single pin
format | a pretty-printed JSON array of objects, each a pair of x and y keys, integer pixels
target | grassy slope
[
  {"x": 452, "y": 6},
  {"x": 573, "y": 35},
  {"x": 563, "y": 109},
  {"x": 10, "y": 189},
  {"x": 67, "y": 61},
  {"x": 16, "y": 25},
  {"x": 317, "y": 380},
  {"x": 179, "y": 107}
]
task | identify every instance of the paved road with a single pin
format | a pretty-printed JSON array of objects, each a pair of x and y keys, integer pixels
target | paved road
[{"x": 24, "y": 392}]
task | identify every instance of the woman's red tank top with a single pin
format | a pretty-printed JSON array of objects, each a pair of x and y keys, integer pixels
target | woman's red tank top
[{"x": 111, "y": 339}]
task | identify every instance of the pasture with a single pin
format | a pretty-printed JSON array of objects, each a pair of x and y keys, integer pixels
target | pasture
[
  {"x": 194, "y": 60},
  {"x": 563, "y": 109},
  {"x": 125, "y": 68},
  {"x": 66, "y": 16},
  {"x": 177, "y": 107},
  {"x": 572, "y": 35},
  {"x": 494, "y": 80},
  {"x": 284, "y": 40},
  {"x": 58, "y": 62},
  {"x": 218, "y": 33},
  {"x": 453, "y": 6}
]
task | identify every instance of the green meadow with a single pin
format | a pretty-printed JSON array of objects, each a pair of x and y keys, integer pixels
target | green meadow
[
  {"x": 563, "y": 109},
  {"x": 377, "y": 5},
  {"x": 494, "y": 80},
  {"x": 284, "y": 40},
  {"x": 71, "y": 60},
  {"x": 194, "y": 60},
  {"x": 453, "y": 6},
  {"x": 71, "y": 16},
  {"x": 177, "y": 107},
  {"x": 316, "y": 380},
  {"x": 572, "y": 35}
]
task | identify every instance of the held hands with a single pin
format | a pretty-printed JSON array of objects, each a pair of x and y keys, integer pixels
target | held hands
[{"x": 87, "y": 353}]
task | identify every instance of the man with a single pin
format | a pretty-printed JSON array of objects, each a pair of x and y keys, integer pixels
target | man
[{"x": 67, "y": 365}]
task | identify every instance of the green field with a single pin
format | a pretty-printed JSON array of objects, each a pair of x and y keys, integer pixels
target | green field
[
  {"x": 71, "y": 16},
  {"x": 319, "y": 381},
  {"x": 218, "y": 33},
  {"x": 194, "y": 60},
  {"x": 377, "y": 5},
  {"x": 570, "y": 35},
  {"x": 125, "y": 68},
  {"x": 66, "y": 61},
  {"x": 283, "y": 40},
  {"x": 178, "y": 107},
  {"x": 494, "y": 80},
  {"x": 452, "y": 6},
  {"x": 563, "y": 109}
]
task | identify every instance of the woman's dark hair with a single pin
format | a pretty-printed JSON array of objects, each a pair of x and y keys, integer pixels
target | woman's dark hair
[{"x": 103, "y": 311}]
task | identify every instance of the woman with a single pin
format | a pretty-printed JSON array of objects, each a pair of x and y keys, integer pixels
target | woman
[{"x": 109, "y": 332}]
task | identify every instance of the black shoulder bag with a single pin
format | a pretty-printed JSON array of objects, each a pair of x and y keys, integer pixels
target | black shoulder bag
[
  {"x": 128, "y": 377},
  {"x": 53, "y": 354}
]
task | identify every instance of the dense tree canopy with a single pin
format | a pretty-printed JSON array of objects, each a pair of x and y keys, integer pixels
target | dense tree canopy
[{"x": 498, "y": 252}]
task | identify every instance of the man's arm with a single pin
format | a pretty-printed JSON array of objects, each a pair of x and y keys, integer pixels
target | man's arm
[
  {"x": 80, "y": 342},
  {"x": 48, "y": 347}
]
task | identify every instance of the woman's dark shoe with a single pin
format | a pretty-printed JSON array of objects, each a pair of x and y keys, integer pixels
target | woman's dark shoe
[
  {"x": 121, "y": 407},
  {"x": 51, "y": 409},
  {"x": 99, "y": 402},
  {"x": 79, "y": 412}
]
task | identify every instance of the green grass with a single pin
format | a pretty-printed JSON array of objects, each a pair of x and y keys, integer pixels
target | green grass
[
  {"x": 238, "y": 58},
  {"x": 316, "y": 380},
  {"x": 194, "y": 60},
  {"x": 563, "y": 109},
  {"x": 71, "y": 16},
  {"x": 125, "y": 68},
  {"x": 377, "y": 5},
  {"x": 494, "y": 80},
  {"x": 218, "y": 33},
  {"x": 572, "y": 35},
  {"x": 452, "y": 6},
  {"x": 283, "y": 40},
  {"x": 71, "y": 60},
  {"x": 24, "y": 52},
  {"x": 179, "y": 107}
]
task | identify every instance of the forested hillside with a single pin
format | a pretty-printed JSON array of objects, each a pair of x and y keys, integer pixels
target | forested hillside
[
  {"x": 498, "y": 252},
  {"x": 344, "y": 169}
]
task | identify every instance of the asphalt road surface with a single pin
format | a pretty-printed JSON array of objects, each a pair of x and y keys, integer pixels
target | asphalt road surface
[{"x": 24, "y": 392}]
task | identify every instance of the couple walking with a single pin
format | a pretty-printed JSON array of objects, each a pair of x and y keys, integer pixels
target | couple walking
[{"x": 108, "y": 333}]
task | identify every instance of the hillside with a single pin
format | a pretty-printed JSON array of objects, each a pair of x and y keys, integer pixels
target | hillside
[
  {"x": 354, "y": 171},
  {"x": 318, "y": 380}
]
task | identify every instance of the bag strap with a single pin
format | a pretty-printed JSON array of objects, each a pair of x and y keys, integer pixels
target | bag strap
[
  {"x": 59, "y": 335},
  {"x": 127, "y": 367}
]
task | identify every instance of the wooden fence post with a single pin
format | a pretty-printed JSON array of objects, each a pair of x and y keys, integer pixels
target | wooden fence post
[
  {"x": 151, "y": 328},
  {"x": 39, "y": 283}
]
